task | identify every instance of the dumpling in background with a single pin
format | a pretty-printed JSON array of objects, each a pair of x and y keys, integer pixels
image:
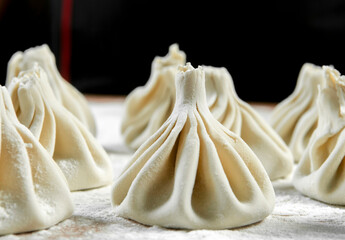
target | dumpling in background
[
  {"x": 33, "y": 191},
  {"x": 295, "y": 118},
  {"x": 321, "y": 172},
  {"x": 80, "y": 157},
  {"x": 240, "y": 118},
  {"x": 147, "y": 107},
  {"x": 64, "y": 92},
  {"x": 193, "y": 173}
]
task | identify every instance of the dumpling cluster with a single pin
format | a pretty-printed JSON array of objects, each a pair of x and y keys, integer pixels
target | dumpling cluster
[
  {"x": 64, "y": 92},
  {"x": 81, "y": 158},
  {"x": 295, "y": 118},
  {"x": 242, "y": 119},
  {"x": 321, "y": 172},
  {"x": 147, "y": 107},
  {"x": 33, "y": 191},
  {"x": 193, "y": 172}
]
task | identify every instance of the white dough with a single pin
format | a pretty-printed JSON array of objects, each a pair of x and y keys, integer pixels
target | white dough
[
  {"x": 147, "y": 107},
  {"x": 64, "y": 92},
  {"x": 33, "y": 191},
  {"x": 295, "y": 118},
  {"x": 193, "y": 173},
  {"x": 321, "y": 172},
  {"x": 240, "y": 118},
  {"x": 80, "y": 157}
]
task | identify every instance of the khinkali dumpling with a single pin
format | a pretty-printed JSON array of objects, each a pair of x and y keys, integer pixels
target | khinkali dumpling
[
  {"x": 80, "y": 157},
  {"x": 64, "y": 92},
  {"x": 295, "y": 118},
  {"x": 242, "y": 119},
  {"x": 33, "y": 191},
  {"x": 321, "y": 172},
  {"x": 147, "y": 107},
  {"x": 193, "y": 172}
]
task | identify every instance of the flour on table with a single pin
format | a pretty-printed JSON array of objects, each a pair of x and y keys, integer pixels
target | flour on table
[{"x": 294, "y": 216}]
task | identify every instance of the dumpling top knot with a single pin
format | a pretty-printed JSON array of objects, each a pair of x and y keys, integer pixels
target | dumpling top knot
[
  {"x": 173, "y": 58},
  {"x": 190, "y": 91},
  {"x": 337, "y": 82}
]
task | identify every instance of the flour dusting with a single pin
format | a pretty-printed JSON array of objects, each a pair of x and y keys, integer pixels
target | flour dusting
[{"x": 294, "y": 217}]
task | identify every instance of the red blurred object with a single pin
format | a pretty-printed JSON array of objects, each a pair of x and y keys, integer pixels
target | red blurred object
[{"x": 66, "y": 39}]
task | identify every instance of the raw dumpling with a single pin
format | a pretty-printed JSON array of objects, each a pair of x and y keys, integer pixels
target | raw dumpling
[
  {"x": 321, "y": 172},
  {"x": 295, "y": 118},
  {"x": 242, "y": 119},
  {"x": 80, "y": 157},
  {"x": 147, "y": 107},
  {"x": 193, "y": 173},
  {"x": 64, "y": 92},
  {"x": 33, "y": 191}
]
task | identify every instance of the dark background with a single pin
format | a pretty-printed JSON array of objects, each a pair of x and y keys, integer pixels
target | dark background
[{"x": 263, "y": 44}]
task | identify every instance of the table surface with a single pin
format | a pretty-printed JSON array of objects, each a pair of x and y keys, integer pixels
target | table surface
[{"x": 294, "y": 217}]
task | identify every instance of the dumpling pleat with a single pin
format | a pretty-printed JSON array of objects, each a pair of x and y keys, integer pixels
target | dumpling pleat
[
  {"x": 289, "y": 114},
  {"x": 33, "y": 191},
  {"x": 193, "y": 172},
  {"x": 138, "y": 161},
  {"x": 81, "y": 158}
]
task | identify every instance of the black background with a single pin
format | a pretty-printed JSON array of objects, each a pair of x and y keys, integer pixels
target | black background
[{"x": 263, "y": 44}]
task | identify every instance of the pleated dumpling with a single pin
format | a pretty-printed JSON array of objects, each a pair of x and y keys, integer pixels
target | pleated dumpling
[
  {"x": 147, "y": 107},
  {"x": 80, "y": 157},
  {"x": 295, "y": 118},
  {"x": 193, "y": 173},
  {"x": 64, "y": 92},
  {"x": 33, "y": 191},
  {"x": 321, "y": 172},
  {"x": 242, "y": 119}
]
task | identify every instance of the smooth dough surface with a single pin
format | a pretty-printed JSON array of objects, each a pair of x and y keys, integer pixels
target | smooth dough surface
[
  {"x": 81, "y": 158},
  {"x": 193, "y": 173},
  {"x": 33, "y": 191}
]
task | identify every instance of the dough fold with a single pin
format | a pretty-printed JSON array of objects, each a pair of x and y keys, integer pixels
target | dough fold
[
  {"x": 240, "y": 118},
  {"x": 193, "y": 173},
  {"x": 321, "y": 172},
  {"x": 64, "y": 92},
  {"x": 147, "y": 107},
  {"x": 80, "y": 157},
  {"x": 295, "y": 118},
  {"x": 33, "y": 191}
]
